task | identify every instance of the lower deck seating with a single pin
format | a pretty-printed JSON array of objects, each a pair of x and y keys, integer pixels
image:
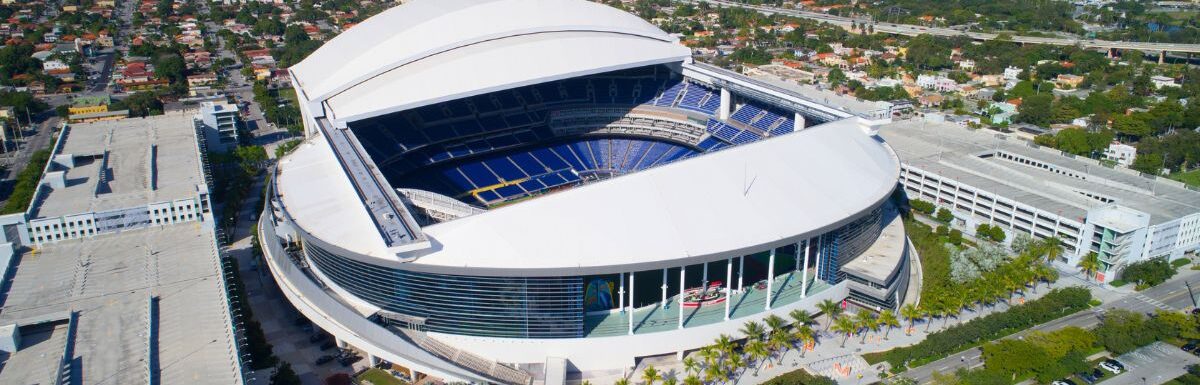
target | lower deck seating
[{"x": 509, "y": 175}]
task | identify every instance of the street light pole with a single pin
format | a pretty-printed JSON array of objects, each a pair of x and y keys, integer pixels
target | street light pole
[{"x": 1191, "y": 295}]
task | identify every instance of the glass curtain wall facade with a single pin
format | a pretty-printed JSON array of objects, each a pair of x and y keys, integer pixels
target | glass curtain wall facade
[
  {"x": 513, "y": 307},
  {"x": 555, "y": 307}
]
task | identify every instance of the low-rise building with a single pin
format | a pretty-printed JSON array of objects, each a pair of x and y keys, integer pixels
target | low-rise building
[
  {"x": 987, "y": 177},
  {"x": 1011, "y": 73},
  {"x": 1122, "y": 153},
  {"x": 219, "y": 121},
  {"x": 1163, "y": 81},
  {"x": 1068, "y": 81}
]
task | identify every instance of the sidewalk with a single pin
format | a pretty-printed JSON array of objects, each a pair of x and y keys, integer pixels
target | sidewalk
[{"x": 829, "y": 349}]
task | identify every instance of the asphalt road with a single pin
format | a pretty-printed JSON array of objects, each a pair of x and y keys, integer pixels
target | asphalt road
[
  {"x": 1172, "y": 295},
  {"x": 15, "y": 162}
]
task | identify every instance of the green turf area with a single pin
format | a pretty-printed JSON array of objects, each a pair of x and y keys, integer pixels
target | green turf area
[
  {"x": 379, "y": 377},
  {"x": 1190, "y": 177}
]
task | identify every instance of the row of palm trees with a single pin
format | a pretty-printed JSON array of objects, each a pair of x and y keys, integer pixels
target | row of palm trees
[
  {"x": 726, "y": 359},
  {"x": 1027, "y": 271}
]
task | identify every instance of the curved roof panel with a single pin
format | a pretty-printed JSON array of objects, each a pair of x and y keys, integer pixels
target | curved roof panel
[
  {"x": 430, "y": 31},
  {"x": 716, "y": 205}
]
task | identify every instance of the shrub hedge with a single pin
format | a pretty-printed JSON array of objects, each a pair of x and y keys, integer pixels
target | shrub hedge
[{"x": 1055, "y": 304}]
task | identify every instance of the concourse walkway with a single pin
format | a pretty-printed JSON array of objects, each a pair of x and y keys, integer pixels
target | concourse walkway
[{"x": 786, "y": 290}]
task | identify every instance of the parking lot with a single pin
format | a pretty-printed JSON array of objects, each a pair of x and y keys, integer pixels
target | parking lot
[{"x": 1153, "y": 364}]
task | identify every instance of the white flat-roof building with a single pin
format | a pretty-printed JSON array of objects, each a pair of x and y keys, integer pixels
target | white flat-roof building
[
  {"x": 220, "y": 125},
  {"x": 987, "y": 177},
  {"x": 126, "y": 284},
  {"x": 1122, "y": 153},
  {"x": 113, "y": 176},
  {"x": 522, "y": 182}
]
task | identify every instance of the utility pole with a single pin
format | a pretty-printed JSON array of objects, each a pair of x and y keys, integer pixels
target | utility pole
[{"x": 1190, "y": 294}]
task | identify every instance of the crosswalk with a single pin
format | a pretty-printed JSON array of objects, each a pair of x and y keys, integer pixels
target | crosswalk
[{"x": 1154, "y": 302}]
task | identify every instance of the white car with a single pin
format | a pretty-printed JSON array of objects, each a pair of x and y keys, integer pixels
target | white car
[{"x": 1110, "y": 367}]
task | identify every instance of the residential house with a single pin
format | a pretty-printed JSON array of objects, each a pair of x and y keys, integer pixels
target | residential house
[
  {"x": 1011, "y": 73},
  {"x": 1163, "y": 81},
  {"x": 1068, "y": 81},
  {"x": 1123, "y": 154}
]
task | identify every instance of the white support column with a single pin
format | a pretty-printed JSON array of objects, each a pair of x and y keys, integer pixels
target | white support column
[
  {"x": 682, "y": 278},
  {"x": 373, "y": 360},
  {"x": 632, "y": 305},
  {"x": 664, "y": 289},
  {"x": 799, "y": 122},
  {"x": 804, "y": 275},
  {"x": 741, "y": 271},
  {"x": 704, "y": 280},
  {"x": 770, "y": 278},
  {"x": 726, "y": 105},
  {"x": 339, "y": 342},
  {"x": 621, "y": 293},
  {"x": 820, "y": 243},
  {"x": 728, "y": 281}
]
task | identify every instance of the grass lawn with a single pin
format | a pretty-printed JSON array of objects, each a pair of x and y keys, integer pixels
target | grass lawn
[
  {"x": 1190, "y": 177},
  {"x": 379, "y": 377}
]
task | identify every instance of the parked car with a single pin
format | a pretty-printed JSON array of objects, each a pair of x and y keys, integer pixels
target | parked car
[
  {"x": 327, "y": 345},
  {"x": 322, "y": 360},
  {"x": 1116, "y": 363},
  {"x": 1189, "y": 347},
  {"x": 1110, "y": 367},
  {"x": 1064, "y": 381},
  {"x": 1088, "y": 378},
  {"x": 1098, "y": 373}
]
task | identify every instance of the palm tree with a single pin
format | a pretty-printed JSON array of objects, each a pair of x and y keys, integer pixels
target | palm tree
[
  {"x": 715, "y": 372},
  {"x": 670, "y": 381},
  {"x": 724, "y": 346},
  {"x": 805, "y": 334},
  {"x": 757, "y": 350},
  {"x": 800, "y": 317},
  {"x": 775, "y": 323},
  {"x": 1090, "y": 263},
  {"x": 752, "y": 330},
  {"x": 845, "y": 326},
  {"x": 1053, "y": 248},
  {"x": 736, "y": 363},
  {"x": 866, "y": 320},
  {"x": 911, "y": 313},
  {"x": 650, "y": 375},
  {"x": 689, "y": 365},
  {"x": 950, "y": 311},
  {"x": 932, "y": 312},
  {"x": 887, "y": 318},
  {"x": 830, "y": 309},
  {"x": 781, "y": 341},
  {"x": 621, "y": 381},
  {"x": 585, "y": 382},
  {"x": 709, "y": 354},
  {"x": 691, "y": 379}
]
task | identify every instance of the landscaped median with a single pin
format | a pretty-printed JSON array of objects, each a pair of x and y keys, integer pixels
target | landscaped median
[{"x": 1055, "y": 304}]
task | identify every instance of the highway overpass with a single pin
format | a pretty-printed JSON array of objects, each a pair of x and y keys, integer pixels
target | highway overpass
[{"x": 913, "y": 30}]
